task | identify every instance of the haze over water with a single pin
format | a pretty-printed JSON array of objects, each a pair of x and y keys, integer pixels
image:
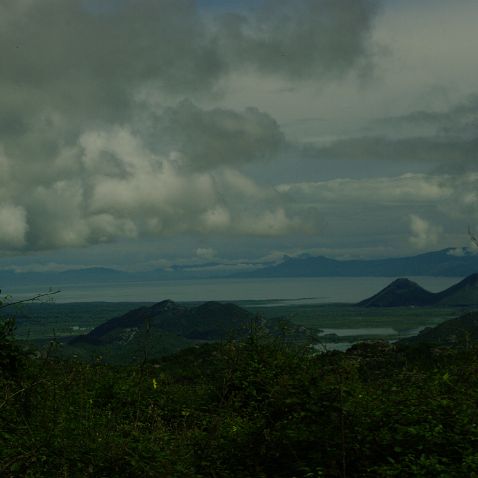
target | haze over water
[{"x": 296, "y": 290}]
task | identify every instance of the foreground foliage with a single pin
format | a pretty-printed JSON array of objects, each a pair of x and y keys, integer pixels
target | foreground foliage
[{"x": 260, "y": 408}]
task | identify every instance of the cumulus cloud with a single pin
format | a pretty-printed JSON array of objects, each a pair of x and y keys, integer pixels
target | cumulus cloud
[
  {"x": 423, "y": 234},
  {"x": 121, "y": 189},
  {"x": 101, "y": 135}
]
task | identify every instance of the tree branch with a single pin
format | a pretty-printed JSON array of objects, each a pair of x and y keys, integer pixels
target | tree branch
[
  {"x": 472, "y": 237},
  {"x": 30, "y": 299}
]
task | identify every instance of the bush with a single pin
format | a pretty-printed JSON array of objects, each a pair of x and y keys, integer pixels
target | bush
[{"x": 261, "y": 407}]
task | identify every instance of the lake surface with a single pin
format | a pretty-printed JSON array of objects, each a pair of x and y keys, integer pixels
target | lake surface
[
  {"x": 287, "y": 290},
  {"x": 362, "y": 331}
]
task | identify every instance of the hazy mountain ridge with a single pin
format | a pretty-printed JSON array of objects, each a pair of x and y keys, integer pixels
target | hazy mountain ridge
[
  {"x": 438, "y": 263},
  {"x": 443, "y": 263}
]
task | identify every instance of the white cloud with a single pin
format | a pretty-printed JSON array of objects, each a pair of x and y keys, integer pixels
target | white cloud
[
  {"x": 405, "y": 189},
  {"x": 424, "y": 235},
  {"x": 14, "y": 226},
  {"x": 205, "y": 252},
  {"x": 119, "y": 188}
]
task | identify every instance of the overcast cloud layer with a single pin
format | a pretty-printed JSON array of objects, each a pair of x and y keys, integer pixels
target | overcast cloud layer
[{"x": 128, "y": 121}]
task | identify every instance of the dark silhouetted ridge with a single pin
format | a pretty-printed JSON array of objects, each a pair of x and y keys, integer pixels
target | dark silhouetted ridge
[
  {"x": 464, "y": 293},
  {"x": 136, "y": 318},
  {"x": 208, "y": 321},
  {"x": 400, "y": 293},
  {"x": 404, "y": 292}
]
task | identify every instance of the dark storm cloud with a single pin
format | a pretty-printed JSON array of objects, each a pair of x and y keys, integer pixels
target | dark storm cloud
[
  {"x": 209, "y": 138},
  {"x": 90, "y": 151},
  {"x": 306, "y": 39},
  {"x": 62, "y": 56}
]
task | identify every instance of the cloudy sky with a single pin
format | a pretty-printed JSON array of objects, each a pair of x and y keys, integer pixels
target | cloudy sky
[{"x": 139, "y": 133}]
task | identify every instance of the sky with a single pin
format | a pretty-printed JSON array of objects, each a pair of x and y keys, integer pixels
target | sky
[{"x": 138, "y": 134}]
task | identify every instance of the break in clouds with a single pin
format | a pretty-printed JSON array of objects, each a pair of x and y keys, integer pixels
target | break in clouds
[
  {"x": 435, "y": 207},
  {"x": 449, "y": 136},
  {"x": 102, "y": 135}
]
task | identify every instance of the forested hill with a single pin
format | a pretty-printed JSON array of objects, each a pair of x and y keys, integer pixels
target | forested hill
[
  {"x": 167, "y": 327},
  {"x": 208, "y": 321}
]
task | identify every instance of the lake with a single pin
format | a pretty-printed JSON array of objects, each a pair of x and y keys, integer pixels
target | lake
[{"x": 287, "y": 291}]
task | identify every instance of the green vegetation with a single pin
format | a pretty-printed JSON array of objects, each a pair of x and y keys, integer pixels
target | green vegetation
[
  {"x": 344, "y": 316},
  {"x": 460, "y": 331},
  {"x": 42, "y": 323},
  {"x": 259, "y": 406},
  {"x": 45, "y": 321}
]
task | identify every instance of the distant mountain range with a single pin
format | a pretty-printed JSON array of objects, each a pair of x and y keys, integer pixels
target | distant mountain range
[
  {"x": 87, "y": 275},
  {"x": 404, "y": 292},
  {"x": 439, "y": 263}
]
